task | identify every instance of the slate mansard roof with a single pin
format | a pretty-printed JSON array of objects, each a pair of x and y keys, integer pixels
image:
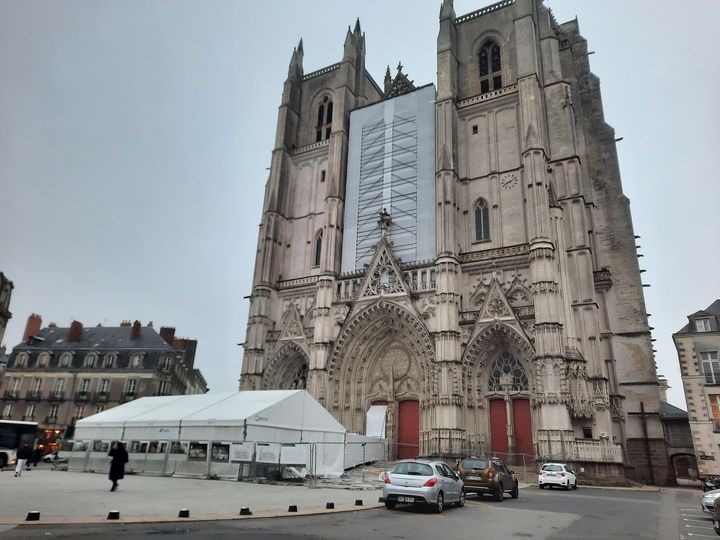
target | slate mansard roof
[
  {"x": 100, "y": 338},
  {"x": 712, "y": 312}
]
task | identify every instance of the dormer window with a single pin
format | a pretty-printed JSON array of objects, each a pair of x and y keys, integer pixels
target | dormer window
[
  {"x": 324, "y": 120},
  {"x": 490, "y": 67},
  {"x": 65, "y": 359},
  {"x": 136, "y": 361},
  {"x": 702, "y": 325},
  {"x": 91, "y": 360},
  {"x": 21, "y": 360},
  {"x": 43, "y": 359}
]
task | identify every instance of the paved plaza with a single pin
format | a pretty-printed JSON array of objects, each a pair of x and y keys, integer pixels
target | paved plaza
[{"x": 73, "y": 497}]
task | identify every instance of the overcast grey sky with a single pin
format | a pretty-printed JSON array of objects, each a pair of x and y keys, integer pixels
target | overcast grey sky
[{"x": 135, "y": 138}]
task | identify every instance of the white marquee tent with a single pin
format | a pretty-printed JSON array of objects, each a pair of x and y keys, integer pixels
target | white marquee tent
[{"x": 216, "y": 434}]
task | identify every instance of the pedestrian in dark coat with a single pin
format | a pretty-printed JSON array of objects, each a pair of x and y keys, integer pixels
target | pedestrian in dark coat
[
  {"x": 37, "y": 454},
  {"x": 23, "y": 454},
  {"x": 117, "y": 466}
]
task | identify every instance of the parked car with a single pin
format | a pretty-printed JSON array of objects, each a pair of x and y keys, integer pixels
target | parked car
[
  {"x": 488, "y": 475},
  {"x": 708, "y": 501},
  {"x": 416, "y": 481},
  {"x": 557, "y": 474}
]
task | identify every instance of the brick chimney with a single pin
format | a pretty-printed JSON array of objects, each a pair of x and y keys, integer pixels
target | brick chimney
[
  {"x": 75, "y": 331},
  {"x": 168, "y": 334},
  {"x": 52, "y": 325},
  {"x": 135, "y": 332},
  {"x": 125, "y": 324},
  {"x": 32, "y": 327}
]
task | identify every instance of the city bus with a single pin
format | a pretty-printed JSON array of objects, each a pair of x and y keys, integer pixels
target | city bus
[{"x": 12, "y": 435}]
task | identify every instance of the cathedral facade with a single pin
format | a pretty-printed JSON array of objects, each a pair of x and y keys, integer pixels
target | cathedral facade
[{"x": 460, "y": 257}]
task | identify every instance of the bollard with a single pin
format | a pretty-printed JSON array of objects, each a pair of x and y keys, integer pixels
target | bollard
[
  {"x": 330, "y": 506},
  {"x": 245, "y": 511},
  {"x": 184, "y": 513},
  {"x": 292, "y": 508},
  {"x": 358, "y": 502},
  {"x": 33, "y": 516},
  {"x": 114, "y": 514}
]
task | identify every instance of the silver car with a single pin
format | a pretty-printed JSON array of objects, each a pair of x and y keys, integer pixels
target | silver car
[
  {"x": 708, "y": 501},
  {"x": 419, "y": 481}
]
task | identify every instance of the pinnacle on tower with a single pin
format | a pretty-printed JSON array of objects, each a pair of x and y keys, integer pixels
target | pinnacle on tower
[
  {"x": 296, "y": 60},
  {"x": 388, "y": 80},
  {"x": 447, "y": 11}
]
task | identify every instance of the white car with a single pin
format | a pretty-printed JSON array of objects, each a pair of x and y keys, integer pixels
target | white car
[{"x": 557, "y": 474}]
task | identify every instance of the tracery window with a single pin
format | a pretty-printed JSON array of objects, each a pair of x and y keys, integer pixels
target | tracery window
[
  {"x": 490, "y": 67},
  {"x": 318, "y": 248},
  {"x": 507, "y": 374},
  {"x": 324, "y": 120},
  {"x": 482, "y": 221}
]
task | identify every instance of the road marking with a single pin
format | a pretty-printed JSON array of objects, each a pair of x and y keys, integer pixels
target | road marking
[
  {"x": 698, "y": 527},
  {"x": 703, "y": 535},
  {"x": 700, "y": 520}
]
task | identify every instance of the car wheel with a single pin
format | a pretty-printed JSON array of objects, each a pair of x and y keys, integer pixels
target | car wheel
[
  {"x": 461, "y": 501},
  {"x": 390, "y": 505},
  {"x": 439, "y": 504},
  {"x": 515, "y": 493},
  {"x": 566, "y": 486},
  {"x": 500, "y": 494},
  {"x": 575, "y": 485},
  {"x": 3, "y": 460},
  {"x": 542, "y": 486}
]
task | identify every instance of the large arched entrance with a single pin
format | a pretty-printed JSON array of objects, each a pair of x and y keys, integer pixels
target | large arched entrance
[
  {"x": 383, "y": 355},
  {"x": 287, "y": 370},
  {"x": 498, "y": 380}
]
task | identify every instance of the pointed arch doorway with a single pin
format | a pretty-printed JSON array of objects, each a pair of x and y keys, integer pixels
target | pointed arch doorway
[{"x": 511, "y": 433}]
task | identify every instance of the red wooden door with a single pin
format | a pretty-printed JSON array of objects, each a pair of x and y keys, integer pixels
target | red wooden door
[
  {"x": 522, "y": 427},
  {"x": 408, "y": 429},
  {"x": 498, "y": 428}
]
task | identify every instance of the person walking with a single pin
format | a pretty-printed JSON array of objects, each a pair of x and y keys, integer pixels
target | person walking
[
  {"x": 37, "y": 454},
  {"x": 23, "y": 454},
  {"x": 117, "y": 465}
]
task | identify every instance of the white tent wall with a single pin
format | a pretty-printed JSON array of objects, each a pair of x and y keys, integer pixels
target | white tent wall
[
  {"x": 175, "y": 435},
  {"x": 362, "y": 449}
]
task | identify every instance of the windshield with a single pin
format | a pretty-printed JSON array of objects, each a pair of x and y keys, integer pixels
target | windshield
[
  {"x": 415, "y": 469},
  {"x": 552, "y": 468},
  {"x": 474, "y": 463}
]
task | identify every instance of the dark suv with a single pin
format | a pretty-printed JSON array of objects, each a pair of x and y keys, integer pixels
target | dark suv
[{"x": 488, "y": 475}]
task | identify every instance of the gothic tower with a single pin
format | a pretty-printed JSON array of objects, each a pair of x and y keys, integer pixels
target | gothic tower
[{"x": 461, "y": 258}]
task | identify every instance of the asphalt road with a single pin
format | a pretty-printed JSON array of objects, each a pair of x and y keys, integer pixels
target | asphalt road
[{"x": 583, "y": 514}]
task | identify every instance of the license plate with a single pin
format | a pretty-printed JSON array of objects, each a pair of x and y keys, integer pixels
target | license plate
[
  {"x": 406, "y": 499},
  {"x": 550, "y": 474},
  {"x": 471, "y": 477}
]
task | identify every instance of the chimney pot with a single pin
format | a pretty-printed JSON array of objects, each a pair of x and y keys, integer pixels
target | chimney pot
[
  {"x": 32, "y": 327},
  {"x": 135, "y": 332},
  {"x": 168, "y": 334},
  {"x": 75, "y": 331},
  {"x": 125, "y": 324}
]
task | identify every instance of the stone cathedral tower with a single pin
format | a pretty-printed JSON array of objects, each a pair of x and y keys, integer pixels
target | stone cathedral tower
[{"x": 460, "y": 258}]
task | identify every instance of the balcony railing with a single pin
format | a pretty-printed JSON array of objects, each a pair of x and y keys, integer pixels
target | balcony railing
[
  {"x": 102, "y": 396},
  {"x": 33, "y": 394},
  {"x": 82, "y": 396},
  {"x": 12, "y": 394},
  {"x": 29, "y": 418},
  {"x": 57, "y": 394},
  {"x": 129, "y": 396},
  {"x": 50, "y": 420}
]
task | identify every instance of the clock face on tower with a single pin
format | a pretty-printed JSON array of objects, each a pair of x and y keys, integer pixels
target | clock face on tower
[{"x": 509, "y": 181}]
